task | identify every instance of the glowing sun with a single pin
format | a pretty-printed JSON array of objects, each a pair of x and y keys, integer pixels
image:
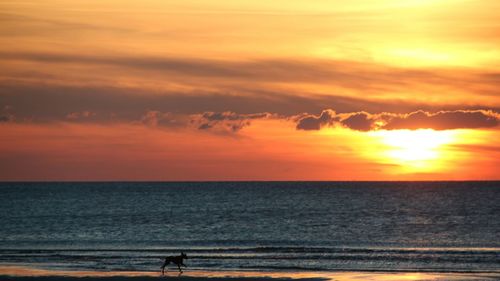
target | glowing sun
[{"x": 415, "y": 150}]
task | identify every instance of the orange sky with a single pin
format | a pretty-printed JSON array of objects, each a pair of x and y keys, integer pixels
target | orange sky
[{"x": 249, "y": 90}]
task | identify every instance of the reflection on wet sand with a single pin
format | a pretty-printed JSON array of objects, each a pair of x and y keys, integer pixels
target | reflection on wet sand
[{"x": 16, "y": 273}]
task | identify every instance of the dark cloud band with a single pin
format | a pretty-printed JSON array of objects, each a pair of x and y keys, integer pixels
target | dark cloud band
[{"x": 363, "y": 121}]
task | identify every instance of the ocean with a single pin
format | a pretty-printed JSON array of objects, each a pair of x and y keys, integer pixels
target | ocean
[{"x": 261, "y": 226}]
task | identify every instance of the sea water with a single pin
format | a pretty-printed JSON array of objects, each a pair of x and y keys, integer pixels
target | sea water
[{"x": 327, "y": 226}]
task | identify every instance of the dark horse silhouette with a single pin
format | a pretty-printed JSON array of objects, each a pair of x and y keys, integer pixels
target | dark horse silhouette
[{"x": 178, "y": 260}]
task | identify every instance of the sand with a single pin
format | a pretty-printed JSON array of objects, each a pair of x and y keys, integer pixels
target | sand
[{"x": 16, "y": 273}]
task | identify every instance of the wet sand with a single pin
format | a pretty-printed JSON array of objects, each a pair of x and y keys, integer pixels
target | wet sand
[{"x": 16, "y": 273}]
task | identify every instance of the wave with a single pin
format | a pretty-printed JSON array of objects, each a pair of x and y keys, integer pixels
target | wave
[
  {"x": 356, "y": 269},
  {"x": 266, "y": 258},
  {"x": 271, "y": 253},
  {"x": 265, "y": 249}
]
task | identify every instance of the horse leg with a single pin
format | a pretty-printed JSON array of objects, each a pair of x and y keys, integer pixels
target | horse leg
[{"x": 163, "y": 267}]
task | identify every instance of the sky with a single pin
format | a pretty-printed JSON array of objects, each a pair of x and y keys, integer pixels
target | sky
[{"x": 161, "y": 90}]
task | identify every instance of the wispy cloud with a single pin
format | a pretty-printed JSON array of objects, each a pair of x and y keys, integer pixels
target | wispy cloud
[{"x": 369, "y": 77}]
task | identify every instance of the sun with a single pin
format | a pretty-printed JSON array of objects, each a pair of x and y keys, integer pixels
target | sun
[{"x": 415, "y": 150}]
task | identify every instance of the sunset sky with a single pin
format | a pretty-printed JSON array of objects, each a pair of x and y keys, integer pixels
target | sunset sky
[{"x": 250, "y": 90}]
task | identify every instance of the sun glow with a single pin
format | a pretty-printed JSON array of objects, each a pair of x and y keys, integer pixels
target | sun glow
[{"x": 421, "y": 150}]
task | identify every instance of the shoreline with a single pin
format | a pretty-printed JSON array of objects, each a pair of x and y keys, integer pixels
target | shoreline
[{"x": 19, "y": 273}]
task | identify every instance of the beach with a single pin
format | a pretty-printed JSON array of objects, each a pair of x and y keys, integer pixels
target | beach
[
  {"x": 239, "y": 230},
  {"x": 16, "y": 273}
]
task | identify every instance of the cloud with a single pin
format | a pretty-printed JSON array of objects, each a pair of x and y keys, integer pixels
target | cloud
[
  {"x": 352, "y": 75},
  {"x": 363, "y": 121},
  {"x": 443, "y": 120},
  {"x": 327, "y": 117},
  {"x": 62, "y": 83},
  {"x": 5, "y": 114},
  {"x": 45, "y": 102},
  {"x": 154, "y": 118},
  {"x": 82, "y": 115},
  {"x": 4, "y": 118},
  {"x": 359, "y": 121},
  {"x": 232, "y": 122},
  {"x": 219, "y": 122},
  {"x": 26, "y": 25},
  {"x": 477, "y": 148},
  {"x": 226, "y": 121},
  {"x": 232, "y": 116}
]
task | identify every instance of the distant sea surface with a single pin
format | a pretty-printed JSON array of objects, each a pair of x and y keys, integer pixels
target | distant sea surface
[{"x": 265, "y": 226}]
